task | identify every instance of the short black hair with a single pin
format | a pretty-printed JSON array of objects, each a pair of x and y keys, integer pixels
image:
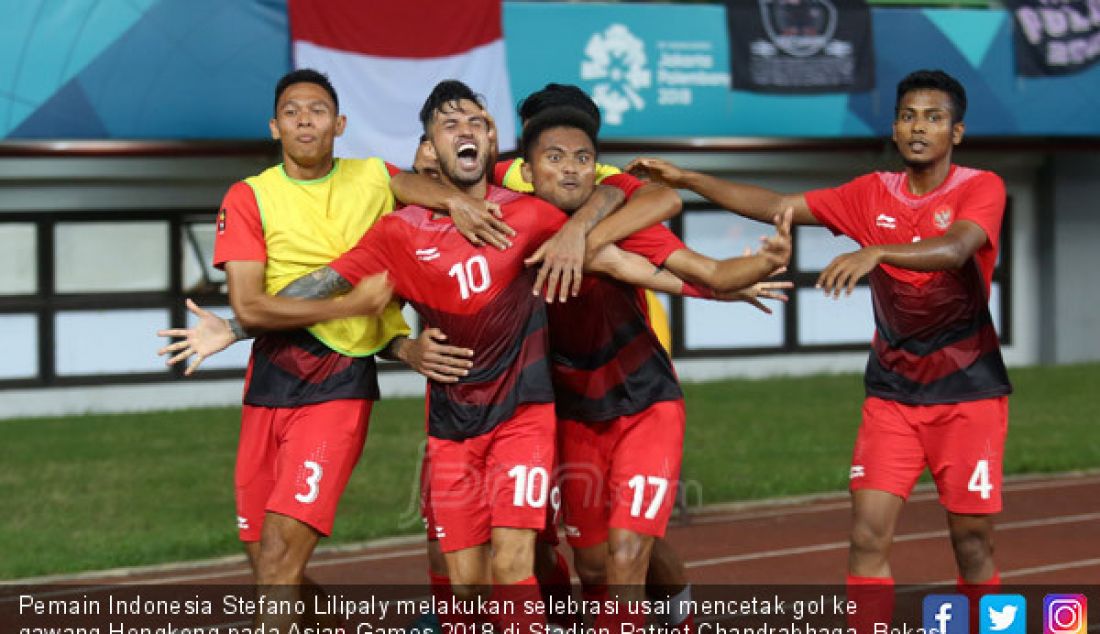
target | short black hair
[
  {"x": 934, "y": 80},
  {"x": 445, "y": 92},
  {"x": 558, "y": 95},
  {"x": 560, "y": 117},
  {"x": 305, "y": 76}
]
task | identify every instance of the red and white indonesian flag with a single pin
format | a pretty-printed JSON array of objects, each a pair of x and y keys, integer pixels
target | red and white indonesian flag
[{"x": 385, "y": 57}]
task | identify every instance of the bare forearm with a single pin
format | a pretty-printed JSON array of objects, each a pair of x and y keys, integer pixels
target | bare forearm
[
  {"x": 300, "y": 304},
  {"x": 650, "y": 205},
  {"x": 267, "y": 312},
  {"x": 634, "y": 270},
  {"x": 417, "y": 189},
  {"x": 319, "y": 284},
  {"x": 750, "y": 201},
  {"x": 732, "y": 274},
  {"x": 395, "y": 349},
  {"x": 603, "y": 201},
  {"x": 935, "y": 254}
]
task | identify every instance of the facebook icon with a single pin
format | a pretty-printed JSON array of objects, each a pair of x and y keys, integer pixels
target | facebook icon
[{"x": 946, "y": 614}]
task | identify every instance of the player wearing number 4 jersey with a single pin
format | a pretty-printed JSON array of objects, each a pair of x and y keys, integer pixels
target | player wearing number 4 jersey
[{"x": 936, "y": 384}]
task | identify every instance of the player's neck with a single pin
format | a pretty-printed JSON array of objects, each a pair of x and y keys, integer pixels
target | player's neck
[
  {"x": 925, "y": 178},
  {"x": 307, "y": 172},
  {"x": 478, "y": 190}
]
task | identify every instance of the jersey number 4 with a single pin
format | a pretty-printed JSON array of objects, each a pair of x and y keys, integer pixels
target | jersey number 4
[{"x": 472, "y": 276}]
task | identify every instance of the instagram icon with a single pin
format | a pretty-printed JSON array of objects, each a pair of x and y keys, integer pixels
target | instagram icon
[{"x": 1065, "y": 614}]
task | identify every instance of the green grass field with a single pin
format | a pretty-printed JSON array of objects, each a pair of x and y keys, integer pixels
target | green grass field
[{"x": 101, "y": 491}]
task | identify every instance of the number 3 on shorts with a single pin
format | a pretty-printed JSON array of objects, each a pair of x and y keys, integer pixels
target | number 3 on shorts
[
  {"x": 979, "y": 480},
  {"x": 312, "y": 480},
  {"x": 638, "y": 485}
]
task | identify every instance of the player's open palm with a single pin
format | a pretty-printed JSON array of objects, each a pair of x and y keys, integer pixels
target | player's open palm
[
  {"x": 845, "y": 271},
  {"x": 210, "y": 335}
]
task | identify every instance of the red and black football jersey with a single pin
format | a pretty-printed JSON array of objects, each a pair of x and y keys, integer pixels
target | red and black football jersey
[
  {"x": 480, "y": 297},
  {"x": 934, "y": 336}
]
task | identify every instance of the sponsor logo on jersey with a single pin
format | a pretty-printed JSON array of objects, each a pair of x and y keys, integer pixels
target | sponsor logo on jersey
[
  {"x": 427, "y": 255},
  {"x": 856, "y": 471},
  {"x": 886, "y": 222}
]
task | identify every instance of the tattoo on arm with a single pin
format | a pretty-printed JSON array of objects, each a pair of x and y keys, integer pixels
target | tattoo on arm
[
  {"x": 319, "y": 284},
  {"x": 606, "y": 203}
]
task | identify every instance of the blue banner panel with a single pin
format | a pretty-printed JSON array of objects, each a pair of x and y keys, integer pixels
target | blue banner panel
[{"x": 205, "y": 69}]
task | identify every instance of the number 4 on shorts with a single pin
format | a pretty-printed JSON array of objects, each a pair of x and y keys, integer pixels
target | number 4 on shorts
[{"x": 979, "y": 480}]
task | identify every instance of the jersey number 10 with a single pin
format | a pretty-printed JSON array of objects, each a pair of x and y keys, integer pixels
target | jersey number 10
[{"x": 472, "y": 276}]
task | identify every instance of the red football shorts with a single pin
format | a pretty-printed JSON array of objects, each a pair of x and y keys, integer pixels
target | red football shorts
[
  {"x": 962, "y": 444},
  {"x": 621, "y": 473},
  {"x": 296, "y": 461},
  {"x": 498, "y": 479},
  {"x": 548, "y": 534}
]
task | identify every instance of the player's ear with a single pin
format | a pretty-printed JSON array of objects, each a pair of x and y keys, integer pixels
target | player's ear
[
  {"x": 274, "y": 125},
  {"x": 526, "y": 172},
  {"x": 957, "y": 131},
  {"x": 341, "y": 123}
]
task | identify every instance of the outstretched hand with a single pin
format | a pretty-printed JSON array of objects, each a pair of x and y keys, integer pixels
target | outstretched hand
[
  {"x": 657, "y": 171},
  {"x": 777, "y": 247},
  {"x": 760, "y": 291},
  {"x": 210, "y": 335},
  {"x": 845, "y": 271}
]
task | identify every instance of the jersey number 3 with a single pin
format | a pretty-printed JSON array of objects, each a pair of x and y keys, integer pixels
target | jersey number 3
[{"x": 472, "y": 275}]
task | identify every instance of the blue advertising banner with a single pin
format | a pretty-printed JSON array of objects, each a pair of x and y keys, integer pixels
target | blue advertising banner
[
  {"x": 657, "y": 71},
  {"x": 204, "y": 69}
]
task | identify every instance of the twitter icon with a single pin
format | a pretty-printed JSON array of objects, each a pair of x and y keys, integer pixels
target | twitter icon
[{"x": 1003, "y": 614}]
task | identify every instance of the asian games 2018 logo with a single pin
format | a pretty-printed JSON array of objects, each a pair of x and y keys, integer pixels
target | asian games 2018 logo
[{"x": 616, "y": 59}]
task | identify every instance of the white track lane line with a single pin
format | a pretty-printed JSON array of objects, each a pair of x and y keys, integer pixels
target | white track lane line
[{"x": 910, "y": 537}]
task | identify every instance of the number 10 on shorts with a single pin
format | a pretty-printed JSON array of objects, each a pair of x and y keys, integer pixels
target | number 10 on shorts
[{"x": 531, "y": 486}]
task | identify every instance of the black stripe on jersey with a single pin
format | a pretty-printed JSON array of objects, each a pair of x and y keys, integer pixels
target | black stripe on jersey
[
  {"x": 271, "y": 385},
  {"x": 623, "y": 334},
  {"x": 535, "y": 322},
  {"x": 450, "y": 420},
  {"x": 960, "y": 312},
  {"x": 650, "y": 383},
  {"x": 944, "y": 339},
  {"x": 985, "y": 378}
]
